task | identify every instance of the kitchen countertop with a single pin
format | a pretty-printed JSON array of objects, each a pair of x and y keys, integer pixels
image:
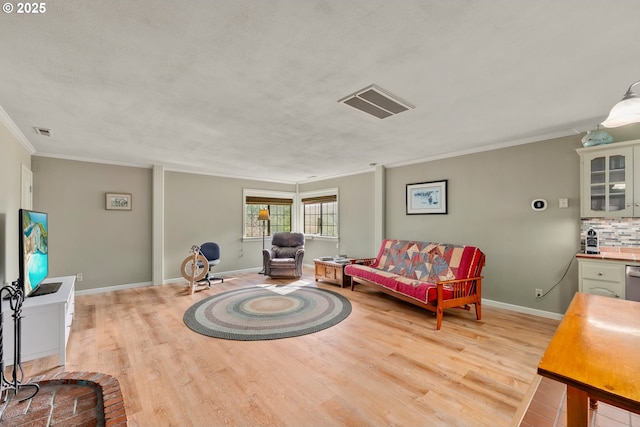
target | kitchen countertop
[{"x": 614, "y": 254}]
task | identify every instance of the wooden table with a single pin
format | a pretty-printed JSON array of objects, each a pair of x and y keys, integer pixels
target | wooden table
[
  {"x": 596, "y": 353},
  {"x": 331, "y": 271}
]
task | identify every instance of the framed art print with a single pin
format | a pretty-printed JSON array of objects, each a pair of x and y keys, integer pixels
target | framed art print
[
  {"x": 118, "y": 201},
  {"x": 427, "y": 198}
]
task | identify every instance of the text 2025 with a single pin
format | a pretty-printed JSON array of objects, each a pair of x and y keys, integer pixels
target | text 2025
[{"x": 31, "y": 7}]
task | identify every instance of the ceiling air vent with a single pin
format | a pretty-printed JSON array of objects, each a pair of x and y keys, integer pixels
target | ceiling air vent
[
  {"x": 377, "y": 102},
  {"x": 43, "y": 131}
]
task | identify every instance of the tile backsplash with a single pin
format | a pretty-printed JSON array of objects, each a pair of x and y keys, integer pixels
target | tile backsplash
[{"x": 615, "y": 232}]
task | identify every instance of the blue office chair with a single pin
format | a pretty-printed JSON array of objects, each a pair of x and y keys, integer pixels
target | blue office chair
[{"x": 211, "y": 252}]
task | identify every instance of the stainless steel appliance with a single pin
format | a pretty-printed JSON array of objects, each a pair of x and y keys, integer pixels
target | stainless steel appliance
[
  {"x": 592, "y": 244},
  {"x": 632, "y": 284}
]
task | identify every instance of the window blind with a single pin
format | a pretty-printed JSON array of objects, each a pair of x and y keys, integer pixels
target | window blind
[
  {"x": 256, "y": 200},
  {"x": 320, "y": 199}
]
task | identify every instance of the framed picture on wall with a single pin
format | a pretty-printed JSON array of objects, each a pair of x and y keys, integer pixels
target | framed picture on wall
[
  {"x": 427, "y": 198},
  {"x": 118, "y": 201}
]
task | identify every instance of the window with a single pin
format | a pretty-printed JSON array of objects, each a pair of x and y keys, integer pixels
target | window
[
  {"x": 320, "y": 215},
  {"x": 279, "y": 207}
]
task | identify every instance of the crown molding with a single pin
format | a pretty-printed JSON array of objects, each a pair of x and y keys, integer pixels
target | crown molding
[
  {"x": 17, "y": 133},
  {"x": 91, "y": 160},
  {"x": 511, "y": 143}
]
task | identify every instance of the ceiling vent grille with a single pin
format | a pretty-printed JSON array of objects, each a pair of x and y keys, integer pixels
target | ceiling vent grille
[
  {"x": 43, "y": 131},
  {"x": 377, "y": 102}
]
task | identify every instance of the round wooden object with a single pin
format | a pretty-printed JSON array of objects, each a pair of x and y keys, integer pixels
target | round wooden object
[{"x": 195, "y": 272}]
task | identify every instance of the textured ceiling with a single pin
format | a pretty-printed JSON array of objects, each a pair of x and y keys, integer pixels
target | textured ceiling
[{"x": 250, "y": 88}]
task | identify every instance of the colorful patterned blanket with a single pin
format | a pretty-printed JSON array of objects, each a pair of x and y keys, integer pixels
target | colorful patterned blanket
[
  {"x": 412, "y": 268},
  {"x": 426, "y": 261}
]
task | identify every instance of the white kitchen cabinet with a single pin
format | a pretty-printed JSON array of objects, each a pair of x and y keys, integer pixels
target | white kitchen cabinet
[
  {"x": 601, "y": 277},
  {"x": 607, "y": 180},
  {"x": 46, "y": 323}
]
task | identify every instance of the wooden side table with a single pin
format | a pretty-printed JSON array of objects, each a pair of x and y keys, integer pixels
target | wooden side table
[{"x": 333, "y": 272}]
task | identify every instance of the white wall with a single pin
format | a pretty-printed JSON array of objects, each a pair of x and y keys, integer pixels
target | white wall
[
  {"x": 356, "y": 205},
  {"x": 109, "y": 247}
]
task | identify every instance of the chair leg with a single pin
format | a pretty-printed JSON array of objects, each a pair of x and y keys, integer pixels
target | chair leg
[
  {"x": 439, "y": 314},
  {"x": 212, "y": 278},
  {"x": 208, "y": 278}
]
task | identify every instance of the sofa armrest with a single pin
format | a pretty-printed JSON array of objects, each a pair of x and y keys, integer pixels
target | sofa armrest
[
  {"x": 461, "y": 287},
  {"x": 267, "y": 254},
  {"x": 299, "y": 256},
  {"x": 363, "y": 261},
  {"x": 266, "y": 261},
  {"x": 466, "y": 279}
]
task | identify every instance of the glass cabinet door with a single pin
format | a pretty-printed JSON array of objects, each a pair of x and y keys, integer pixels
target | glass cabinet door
[
  {"x": 617, "y": 183},
  {"x": 597, "y": 190},
  {"x": 609, "y": 178}
]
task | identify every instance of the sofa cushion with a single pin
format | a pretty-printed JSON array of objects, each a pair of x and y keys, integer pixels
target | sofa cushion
[
  {"x": 285, "y": 238},
  {"x": 420, "y": 290},
  {"x": 372, "y": 274},
  {"x": 438, "y": 263},
  {"x": 286, "y": 252},
  {"x": 283, "y": 263}
]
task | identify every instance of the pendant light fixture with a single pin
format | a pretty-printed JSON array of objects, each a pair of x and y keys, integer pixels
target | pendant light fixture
[{"x": 626, "y": 111}]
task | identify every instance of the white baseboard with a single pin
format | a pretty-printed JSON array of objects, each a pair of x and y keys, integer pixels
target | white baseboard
[
  {"x": 487, "y": 302},
  {"x": 164, "y": 282},
  {"x": 111, "y": 288},
  {"x": 521, "y": 309},
  {"x": 219, "y": 273}
]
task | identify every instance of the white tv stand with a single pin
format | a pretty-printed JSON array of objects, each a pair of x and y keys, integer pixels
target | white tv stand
[{"x": 46, "y": 323}]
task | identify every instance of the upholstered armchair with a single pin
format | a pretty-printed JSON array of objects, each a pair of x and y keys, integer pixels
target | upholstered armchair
[{"x": 284, "y": 259}]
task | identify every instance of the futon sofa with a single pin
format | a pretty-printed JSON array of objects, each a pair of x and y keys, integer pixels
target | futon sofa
[{"x": 434, "y": 276}]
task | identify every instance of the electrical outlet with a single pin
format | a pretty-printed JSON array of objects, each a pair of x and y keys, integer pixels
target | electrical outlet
[
  {"x": 538, "y": 293},
  {"x": 79, "y": 277}
]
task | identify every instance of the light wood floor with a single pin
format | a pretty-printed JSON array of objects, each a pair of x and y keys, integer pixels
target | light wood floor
[{"x": 384, "y": 365}]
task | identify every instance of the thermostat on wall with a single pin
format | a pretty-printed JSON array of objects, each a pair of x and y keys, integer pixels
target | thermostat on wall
[{"x": 539, "y": 205}]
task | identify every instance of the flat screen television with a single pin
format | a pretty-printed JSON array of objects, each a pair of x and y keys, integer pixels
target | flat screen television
[{"x": 34, "y": 253}]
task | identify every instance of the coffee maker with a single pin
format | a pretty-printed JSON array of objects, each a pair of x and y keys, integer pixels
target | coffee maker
[{"x": 592, "y": 245}]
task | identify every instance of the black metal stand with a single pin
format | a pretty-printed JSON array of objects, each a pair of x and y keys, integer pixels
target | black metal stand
[{"x": 16, "y": 298}]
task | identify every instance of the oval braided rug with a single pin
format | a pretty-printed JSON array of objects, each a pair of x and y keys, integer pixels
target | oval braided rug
[{"x": 267, "y": 313}]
